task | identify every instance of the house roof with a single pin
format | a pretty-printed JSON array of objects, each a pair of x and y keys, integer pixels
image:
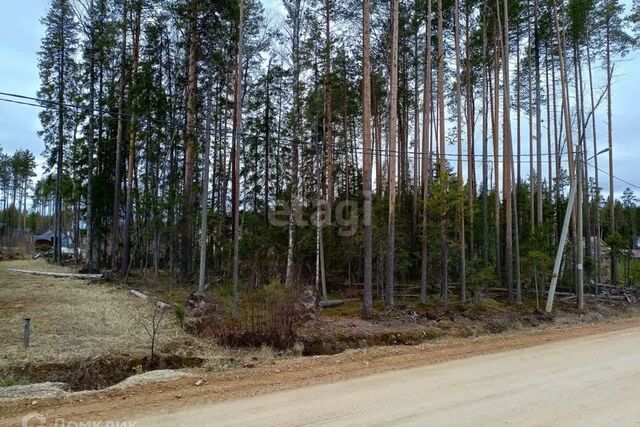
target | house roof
[{"x": 47, "y": 235}]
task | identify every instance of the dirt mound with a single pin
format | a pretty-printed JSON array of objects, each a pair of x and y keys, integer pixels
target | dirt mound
[{"x": 101, "y": 372}]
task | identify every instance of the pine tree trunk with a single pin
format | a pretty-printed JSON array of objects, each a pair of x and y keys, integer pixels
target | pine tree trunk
[
  {"x": 532, "y": 172},
  {"x": 470, "y": 119},
  {"x": 115, "y": 226},
  {"x": 485, "y": 149},
  {"x": 461, "y": 222},
  {"x": 378, "y": 144},
  {"x": 90, "y": 140},
  {"x": 426, "y": 153},
  {"x": 267, "y": 141},
  {"x": 60, "y": 148},
  {"x": 327, "y": 104},
  {"x": 295, "y": 15},
  {"x": 190, "y": 146},
  {"x": 496, "y": 160},
  {"x": 598, "y": 225},
  {"x": 204, "y": 199},
  {"x": 126, "y": 251},
  {"x": 392, "y": 137},
  {"x": 612, "y": 203},
  {"x": 367, "y": 301},
  {"x": 507, "y": 158},
  {"x": 237, "y": 137},
  {"x": 539, "y": 216},
  {"x": 416, "y": 139},
  {"x": 442, "y": 159}
]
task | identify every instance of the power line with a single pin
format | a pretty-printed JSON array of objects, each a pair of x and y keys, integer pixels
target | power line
[
  {"x": 147, "y": 119},
  {"x": 615, "y": 177}
]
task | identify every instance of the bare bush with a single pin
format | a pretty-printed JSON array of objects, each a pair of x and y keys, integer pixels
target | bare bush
[{"x": 269, "y": 317}]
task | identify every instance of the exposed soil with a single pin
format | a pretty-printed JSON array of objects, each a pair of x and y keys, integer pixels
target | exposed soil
[
  {"x": 100, "y": 372},
  {"x": 412, "y": 326},
  {"x": 289, "y": 373},
  {"x": 335, "y": 332}
]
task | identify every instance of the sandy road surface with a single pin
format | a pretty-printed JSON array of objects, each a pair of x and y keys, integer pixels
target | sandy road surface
[{"x": 592, "y": 380}]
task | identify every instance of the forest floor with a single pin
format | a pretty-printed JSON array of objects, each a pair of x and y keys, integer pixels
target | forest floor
[{"x": 91, "y": 335}]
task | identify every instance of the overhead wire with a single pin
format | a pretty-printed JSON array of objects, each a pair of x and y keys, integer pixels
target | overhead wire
[{"x": 147, "y": 119}]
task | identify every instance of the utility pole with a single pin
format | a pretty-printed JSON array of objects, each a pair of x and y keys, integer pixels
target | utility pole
[
  {"x": 579, "y": 233},
  {"x": 598, "y": 222},
  {"x": 561, "y": 245}
]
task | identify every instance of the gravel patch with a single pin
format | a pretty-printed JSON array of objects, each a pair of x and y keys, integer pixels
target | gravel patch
[
  {"x": 33, "y": 391},
  {"x": 152, "y": 376},
  {"x": 58, "y": 389}
]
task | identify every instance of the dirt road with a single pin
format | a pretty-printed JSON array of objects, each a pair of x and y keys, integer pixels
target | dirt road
[
  {"x": 593, "y": 380},
  {"x": 529, "y": 377}
]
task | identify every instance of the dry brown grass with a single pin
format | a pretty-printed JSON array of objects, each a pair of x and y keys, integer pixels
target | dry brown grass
[{"x": 72, "y": 319}]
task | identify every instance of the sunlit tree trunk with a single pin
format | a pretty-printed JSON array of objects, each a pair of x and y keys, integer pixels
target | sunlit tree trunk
[
  {"x": 444, "y": 282},
  {"x": 392, "y": 137},
  {"x": 294, "y": 12},
  {"x": 461, "y": 222},
  {"x": 426, "y": 152}
]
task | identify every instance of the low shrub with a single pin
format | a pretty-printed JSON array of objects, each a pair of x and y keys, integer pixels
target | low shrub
[{"x": 267, "y": 317}]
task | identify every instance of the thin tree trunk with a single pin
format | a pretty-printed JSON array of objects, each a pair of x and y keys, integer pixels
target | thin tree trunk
[
  {"x": 295, "y": 15},
  {"x": 471, "y": 156},
  {"x": 327, "y": 104},
  {"x": 496, "y": 161},
  {"x": 190, "y": 146},
  {"x": 392, "y": 138},
  {"x": 536, "y": 31},
  {"x": 237, "y": 136},
  {"x": 461, "y": 222},
  {"x": 126, "y": 251},
  {"x": 532, "y": 172},
  {"x": 612, "y": 203},
  {"x": 267, "y": 141},
  {"x": 508, "y": 159},
  {"x": 485, "y": 157},
  {"x": 378, "y": 144},
  {"x": 57, "y": 253},
  {"x": 442, "y": 153},
  {"x": 90, "y": 264},
  {"x": 426, "y": 155},
  {"x": 367, "y": 301},
  {"x": 119, "y": 138},
  {"x": 416, "y": 139},
  {"x": 597, "y": 178},
  {"x": 204, "y": 200}
]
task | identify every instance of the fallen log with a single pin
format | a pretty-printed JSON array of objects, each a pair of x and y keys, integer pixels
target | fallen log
[
  {"x": 336, "y": 302},
  {"x": 161, "y": 305},
  {"x": 57, "y": 274}
]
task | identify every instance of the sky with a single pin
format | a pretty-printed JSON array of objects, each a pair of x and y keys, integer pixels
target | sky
[{"x": 21, "y": 32}]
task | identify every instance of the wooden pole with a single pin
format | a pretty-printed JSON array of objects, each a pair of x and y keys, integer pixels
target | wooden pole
[
  {"x": 579, "y": 234},
  {"x": 561, "y": 245},
  {"x": 27, "y": 331}
]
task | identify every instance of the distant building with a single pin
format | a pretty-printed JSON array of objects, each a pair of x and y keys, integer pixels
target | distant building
[
  {"x": 604, "y": 248},
  {"x": 47, "y": 240}
]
